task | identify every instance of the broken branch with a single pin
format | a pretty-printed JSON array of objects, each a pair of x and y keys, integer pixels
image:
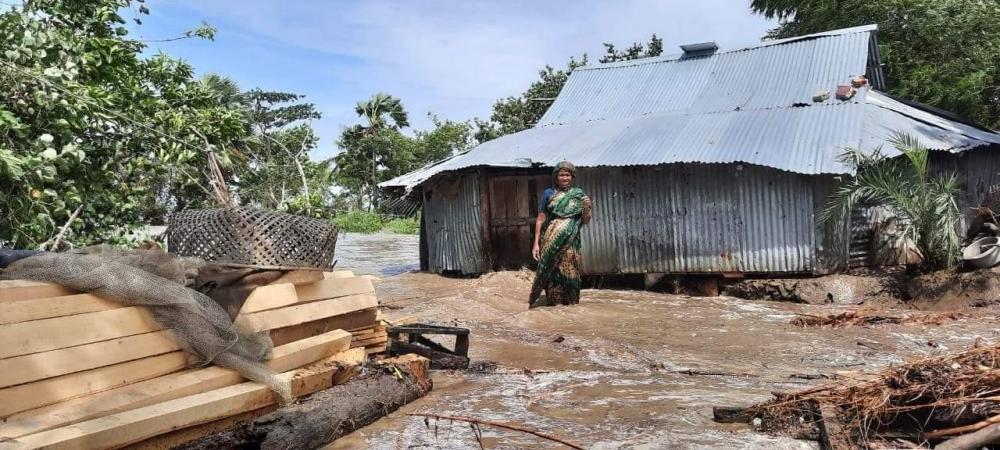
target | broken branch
[{"x": 501, "y": 425}]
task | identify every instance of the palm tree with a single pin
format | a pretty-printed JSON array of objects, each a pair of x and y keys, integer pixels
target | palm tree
[
  {"x": 382, "y": 111},
  {"x": 923, "y": 206},
  {"x": 224, "y": 88}
]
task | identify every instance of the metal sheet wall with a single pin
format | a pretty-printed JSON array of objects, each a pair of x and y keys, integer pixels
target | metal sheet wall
[
  {"x": 452, "y": 220},
  {"x": 695, "y": 218}
]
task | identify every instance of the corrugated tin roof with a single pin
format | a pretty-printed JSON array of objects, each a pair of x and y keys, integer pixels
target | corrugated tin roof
[{"x": 751, "y": 105}]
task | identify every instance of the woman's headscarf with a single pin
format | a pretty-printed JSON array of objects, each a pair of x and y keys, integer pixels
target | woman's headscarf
[{"x": 564, "y": 165}]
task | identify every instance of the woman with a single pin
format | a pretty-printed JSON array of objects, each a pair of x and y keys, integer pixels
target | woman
[{"x": 562, "y": 211}]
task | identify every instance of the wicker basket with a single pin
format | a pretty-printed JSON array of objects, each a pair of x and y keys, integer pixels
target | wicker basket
[{"x": 252, "y": 237}]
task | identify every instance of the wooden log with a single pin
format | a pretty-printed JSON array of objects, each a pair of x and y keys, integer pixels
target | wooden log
[
  {"x": 296, "y": 314},
  {"x": 731, "y": 414},
  {"x": 284, "y": 358},
  {"x": 54, "y": 390},
  {"x": 16, "y": 290},
  {"x": 329, "y": 414},
  {"x": 135, "y": 425},
  {"x": 38, "y": 366},
  {"x": 833, "y": 436},
  {"x": 50, "y": 334},
  {"x": 303, "y": 330},
  {"x": 49, "y": 307},
  {"x": 439, "y": 359}
]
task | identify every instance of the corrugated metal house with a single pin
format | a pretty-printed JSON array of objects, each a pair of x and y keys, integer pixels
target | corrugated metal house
[{"x": 712, "y": 161}]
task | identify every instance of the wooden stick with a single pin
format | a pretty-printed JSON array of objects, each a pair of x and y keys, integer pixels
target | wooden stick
[
  {"x": 963, "y": 429},
  {"x": 501, "y": 425},
  {"x": 972, "y": 441},
  {"x": 53, "y": 244}
]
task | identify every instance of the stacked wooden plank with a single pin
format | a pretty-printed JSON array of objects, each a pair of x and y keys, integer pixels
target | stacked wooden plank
[{"x": 79, "y": 371}]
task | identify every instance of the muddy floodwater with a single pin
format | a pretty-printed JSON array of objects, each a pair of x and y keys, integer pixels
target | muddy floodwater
[{"x": 623, "y": 369}]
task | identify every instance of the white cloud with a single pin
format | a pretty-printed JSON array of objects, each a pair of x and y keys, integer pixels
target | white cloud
[{"x": 455, "y": 58}]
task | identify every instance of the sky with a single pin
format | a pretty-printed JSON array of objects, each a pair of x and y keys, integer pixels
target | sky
[{"x": 452, "y": 58}]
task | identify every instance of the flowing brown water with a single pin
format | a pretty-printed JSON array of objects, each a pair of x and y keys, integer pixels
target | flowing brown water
[{"x": 607, "y": 373}]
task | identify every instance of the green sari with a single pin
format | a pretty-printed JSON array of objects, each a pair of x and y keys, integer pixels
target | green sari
[{"x": 558, "y": 271}]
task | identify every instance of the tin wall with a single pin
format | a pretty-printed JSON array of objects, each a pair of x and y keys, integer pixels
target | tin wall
[
  {"x": 452, "y": 221},
  {"x": 700, "y": 218}
]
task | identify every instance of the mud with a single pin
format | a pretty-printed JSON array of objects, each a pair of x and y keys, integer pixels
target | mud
[{"x": 611, "y": 372}]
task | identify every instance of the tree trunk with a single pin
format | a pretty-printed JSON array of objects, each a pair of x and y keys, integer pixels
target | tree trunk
[{"x": 326, "y": 415}]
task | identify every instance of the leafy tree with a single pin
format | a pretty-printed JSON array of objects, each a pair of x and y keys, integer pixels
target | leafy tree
[
  {"x": 374, "y": 151},
  {"x": 87, "y": 122},
  {"x": 945, "y": 53},
  {"x": 923, "y": 206},
  {"x": 513, "y": 114},
  {"x": 635, "y": 51},
  {"x": 517, "y": 113},
  {"x": 447, "y": 138},
  {"x": 278, "y": 173}
]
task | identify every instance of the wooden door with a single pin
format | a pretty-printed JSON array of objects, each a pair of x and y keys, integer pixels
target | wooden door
[{"x": 513, "y": 209}]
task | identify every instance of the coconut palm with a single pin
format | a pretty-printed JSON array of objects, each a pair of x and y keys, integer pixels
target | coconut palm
[
  {"x": 923, "y": 206},
  {"x": 383, "y": 111}
]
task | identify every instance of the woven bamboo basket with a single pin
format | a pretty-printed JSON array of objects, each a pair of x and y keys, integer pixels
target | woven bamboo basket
[{"x": 254, "y": 237}]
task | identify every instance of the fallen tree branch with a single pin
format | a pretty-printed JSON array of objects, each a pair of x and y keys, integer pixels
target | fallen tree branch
[
  {"x": 971, "y": 441},
  {"x": 53, "y": 244},
  {"x": 964, "y": 429},
  {"x": 501, "y": 425}
]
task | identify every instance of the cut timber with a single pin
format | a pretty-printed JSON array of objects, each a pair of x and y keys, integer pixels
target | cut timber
[
  {"x": 285, "y": 357},
  {"x": 330, "y": 414},
  {"x": 338, "y": 274},
  {"x": 363, "y": 318},
  {"x": 297, "y": 277},
  {"x": 15, "y": 290},
  {"x": 270, "y": 297},
  {"x": 351, "y": 359},
  {"x": 61, "y": 332},
  {"x": 53, "y": 390},
  {"x": 373, "y": 341},
  {"x": 279, "y": 295},
  {"x": 38, "y": 366},
  {"x": 334, "y": 288},
  {"x": 379, "y": 349},
  {"x": 293, "y": 315},
  {"x": 49, "y": 307},
  {"x": 135, "y": 425}
]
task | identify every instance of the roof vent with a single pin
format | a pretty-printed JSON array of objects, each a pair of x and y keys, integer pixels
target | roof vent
[{"x": 699, "y": 50}]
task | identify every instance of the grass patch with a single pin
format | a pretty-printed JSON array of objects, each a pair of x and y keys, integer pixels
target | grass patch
[
  {"x": 359, "y": 222},
  {"x": 404, "y": 226},
  {"x": 367, "y": 223}
]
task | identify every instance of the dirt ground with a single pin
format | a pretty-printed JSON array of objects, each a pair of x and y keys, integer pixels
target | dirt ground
[{"x": 608, "y": 373}]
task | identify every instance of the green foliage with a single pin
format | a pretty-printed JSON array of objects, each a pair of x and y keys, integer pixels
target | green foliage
[
  {"x": 635, "y": 51},
  {"x": 927, "y": 215},
  {"x": 404, "y": 226},
  {"x": 945, "y": 53},
  {"x": 377, "y": 150},
  {"x": 359, "y": 222},
  {"x": 514, "y": 114},
  {"x": 517, "y": 113},
  {"x": 85, "y": 119}
]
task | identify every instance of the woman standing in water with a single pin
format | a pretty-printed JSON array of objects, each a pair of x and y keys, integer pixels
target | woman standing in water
[{"x": 564, "y": 209}]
